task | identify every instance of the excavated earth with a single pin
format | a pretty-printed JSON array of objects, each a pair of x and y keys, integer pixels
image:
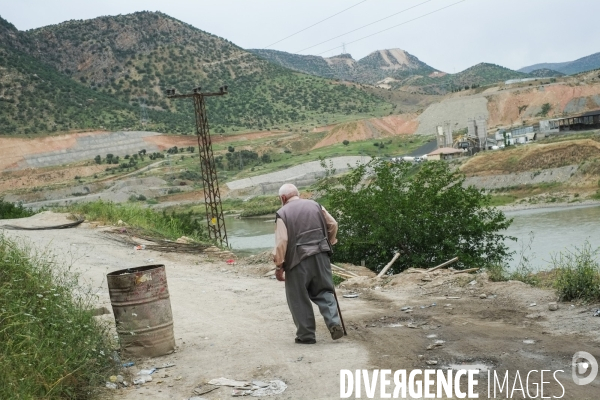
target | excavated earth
[{"x": 231, "y": 321}]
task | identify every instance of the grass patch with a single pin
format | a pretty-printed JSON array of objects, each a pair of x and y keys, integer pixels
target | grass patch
[
  {"x": 577, "y": 274},
  {"x": 165, "y": 225},
  {"x": 502, "y": 200},
  {"x": 51, "y": 346},
  {"x": 9, "y": 210},
  {"x": 337, "y": 279}
]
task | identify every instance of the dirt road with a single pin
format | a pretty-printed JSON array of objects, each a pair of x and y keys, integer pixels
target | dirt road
[{"x": 232, "y": 322}]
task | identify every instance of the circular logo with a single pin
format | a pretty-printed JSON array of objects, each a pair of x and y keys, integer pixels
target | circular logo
[{"x": 584, "y": 363}]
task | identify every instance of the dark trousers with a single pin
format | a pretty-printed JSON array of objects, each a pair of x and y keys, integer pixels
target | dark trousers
[{"x": 311, "y": 281}]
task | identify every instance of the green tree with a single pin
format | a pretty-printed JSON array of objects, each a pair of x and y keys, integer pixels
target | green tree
[
  {"x": 423, "y": 212},
  {"x": 98, "y": 159}
]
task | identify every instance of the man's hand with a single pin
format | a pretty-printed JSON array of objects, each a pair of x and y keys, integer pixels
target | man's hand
[{"x": 279, "y": 274}]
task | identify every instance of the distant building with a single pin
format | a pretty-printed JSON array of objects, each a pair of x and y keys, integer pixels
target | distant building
[
  {"x": 445, "y": 153},
  {"x": 586, "y": 121}
]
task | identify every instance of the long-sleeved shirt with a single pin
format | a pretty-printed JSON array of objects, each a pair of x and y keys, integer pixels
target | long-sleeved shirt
[{"x": 281, "y": 236}]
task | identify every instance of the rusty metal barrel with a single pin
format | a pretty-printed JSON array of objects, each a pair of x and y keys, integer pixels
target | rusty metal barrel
[{"x": 142, "y": 309}]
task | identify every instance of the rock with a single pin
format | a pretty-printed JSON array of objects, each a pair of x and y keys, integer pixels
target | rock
[
  {"x": 553, "y": 306},
  {"x": 483, "y": 296},
  {"x": 420, "y": 356},
  {"x": 426, "y": 278}
]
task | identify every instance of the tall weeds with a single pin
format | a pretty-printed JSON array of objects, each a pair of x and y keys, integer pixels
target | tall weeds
[
  {"x": 51, "y": 346},
  {"x": 169, "y": 225},
  {"x": 578, "y": 273}
]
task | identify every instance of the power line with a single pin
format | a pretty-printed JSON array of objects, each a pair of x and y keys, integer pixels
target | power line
[
  {"x": 364, "y": 26},
  {"x": 395, "y": 26},
  {"x": 323, "y": 20}
]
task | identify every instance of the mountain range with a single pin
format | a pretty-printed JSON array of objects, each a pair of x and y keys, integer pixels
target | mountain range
[
  {"x": 105, "y": 73},
  {"x": 582, "y": 64}
]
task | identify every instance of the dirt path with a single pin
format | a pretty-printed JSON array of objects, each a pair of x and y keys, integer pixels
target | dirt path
[{"x": 232, "y": 322}]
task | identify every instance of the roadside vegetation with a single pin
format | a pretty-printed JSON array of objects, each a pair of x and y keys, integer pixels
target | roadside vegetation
[
  {"x": 51, "y": 347},
  {"x": 158, "y": 224},
  {"x": 422, "y": 212},
  {"x": 10, "y": 210}
]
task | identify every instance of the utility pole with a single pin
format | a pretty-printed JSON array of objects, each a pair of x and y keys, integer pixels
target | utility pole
[{"x": 210, "y": 183}]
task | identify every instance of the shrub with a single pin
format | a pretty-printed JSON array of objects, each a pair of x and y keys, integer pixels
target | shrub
[
  {"x": 428, "y": 216},
  {"x": 577, "y": 274},
  {"x": 51, "y": 346},
  {"x": 9, "y": 210}
]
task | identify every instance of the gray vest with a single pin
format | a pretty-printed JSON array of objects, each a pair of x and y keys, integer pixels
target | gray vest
[{"x": 306, "y": 228}]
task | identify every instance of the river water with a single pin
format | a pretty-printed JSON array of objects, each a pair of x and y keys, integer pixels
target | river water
[{"x": 552, "y": 229}]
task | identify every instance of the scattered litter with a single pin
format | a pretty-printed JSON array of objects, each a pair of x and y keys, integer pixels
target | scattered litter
[
  {"x": 231, "y": 261},
  {"x": 200, "y": 391},
  {"x": 113, "y": 379},
  {"x": 350, "y": 295},
  {"x": 395, "y": 325},
  {"x": 533, "y": 305},
  {"x": 433, "y": 304},
  {"x": 597, "y": 312},
  {"x": 111, "y": 385},
  {"x": 128, "y": 364},
  {"x": 432, "y": 336},
  {"x": 405, "y": 308},
  {"x": 529, "y": 341},
  {"x": 433, "y": 346},
  {"x": 553, "y": 306},
  {"x": 142, "y": 379},
  {"x": 452, "y": 297},
  {"x": 254, "y": 388},
  {"x": 473, "y": 282},
  {"x": 146, "y": 371},
  {"x": 120, "y": 378},
  {"x": 431, "y": 362},
  {"x": 167, "y": 365},
  {"x": 439, "y": 342},
  {"x": 412, "y": 326},
  {"x": 140, "y": 247}
]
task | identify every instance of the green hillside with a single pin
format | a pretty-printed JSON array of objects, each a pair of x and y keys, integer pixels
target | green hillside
[
  {"x": 478, "y": 75},
  {"x": 114, "y": 62}
]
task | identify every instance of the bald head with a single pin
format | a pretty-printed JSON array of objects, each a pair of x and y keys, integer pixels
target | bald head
[{"x": 288, "y": 190}]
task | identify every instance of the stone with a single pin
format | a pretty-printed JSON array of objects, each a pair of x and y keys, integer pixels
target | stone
[
  {"x": 483, "y": 296},
  {"x": 553, "y": 306}
]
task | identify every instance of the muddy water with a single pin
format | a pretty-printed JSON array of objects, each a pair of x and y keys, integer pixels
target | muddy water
[{"x": 554, "y": 229}]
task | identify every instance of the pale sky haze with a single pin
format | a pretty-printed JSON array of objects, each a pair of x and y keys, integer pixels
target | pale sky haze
[{"x": 511, "y": 33}]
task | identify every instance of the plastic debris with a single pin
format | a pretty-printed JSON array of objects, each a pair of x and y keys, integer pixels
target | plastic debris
[
  {"x": 146, "y": 371},
  {"x": 231, "y": 261},
  {"x": 128, "y": 364},
  {"x": 142, "y": 379},
  {"x": 254, "y": 388},
  {"x": 350, "y": 295},
  {"x": 140, "y": 247},
  {"x": 597, "y": 312},
  {"x": 113, "y": 379},
  {"x": 111, "y": 385}
]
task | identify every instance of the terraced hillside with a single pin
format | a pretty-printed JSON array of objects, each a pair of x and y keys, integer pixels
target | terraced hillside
[{"x": 133, "y": 59}]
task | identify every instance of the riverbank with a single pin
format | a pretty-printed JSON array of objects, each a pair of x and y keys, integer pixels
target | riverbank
[
  {"x": 536, "y": 206},
  {"x": 231, "y": 321}
]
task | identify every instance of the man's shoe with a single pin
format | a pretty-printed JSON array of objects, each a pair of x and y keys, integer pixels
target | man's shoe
[
  {"x": 336, "y": 332},
  {"x": 306, "y": 341}
]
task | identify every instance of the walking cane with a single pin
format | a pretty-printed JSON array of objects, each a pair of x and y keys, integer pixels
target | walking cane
[{"x": 340, "y": 312}]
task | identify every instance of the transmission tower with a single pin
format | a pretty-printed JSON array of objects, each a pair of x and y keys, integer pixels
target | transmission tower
[
  {"x": 143, "y": 112},
  {"x": 212, "y": 196}
]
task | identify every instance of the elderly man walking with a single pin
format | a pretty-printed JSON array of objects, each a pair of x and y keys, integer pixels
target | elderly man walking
[{"x": 304, "y": 234}]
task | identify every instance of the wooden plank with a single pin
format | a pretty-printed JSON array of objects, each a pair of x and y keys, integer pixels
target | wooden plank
[{"x": 442, "y": 265}]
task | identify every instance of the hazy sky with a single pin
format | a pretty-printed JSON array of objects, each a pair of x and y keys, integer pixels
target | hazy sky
[{"x": 512, "y": 33}]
